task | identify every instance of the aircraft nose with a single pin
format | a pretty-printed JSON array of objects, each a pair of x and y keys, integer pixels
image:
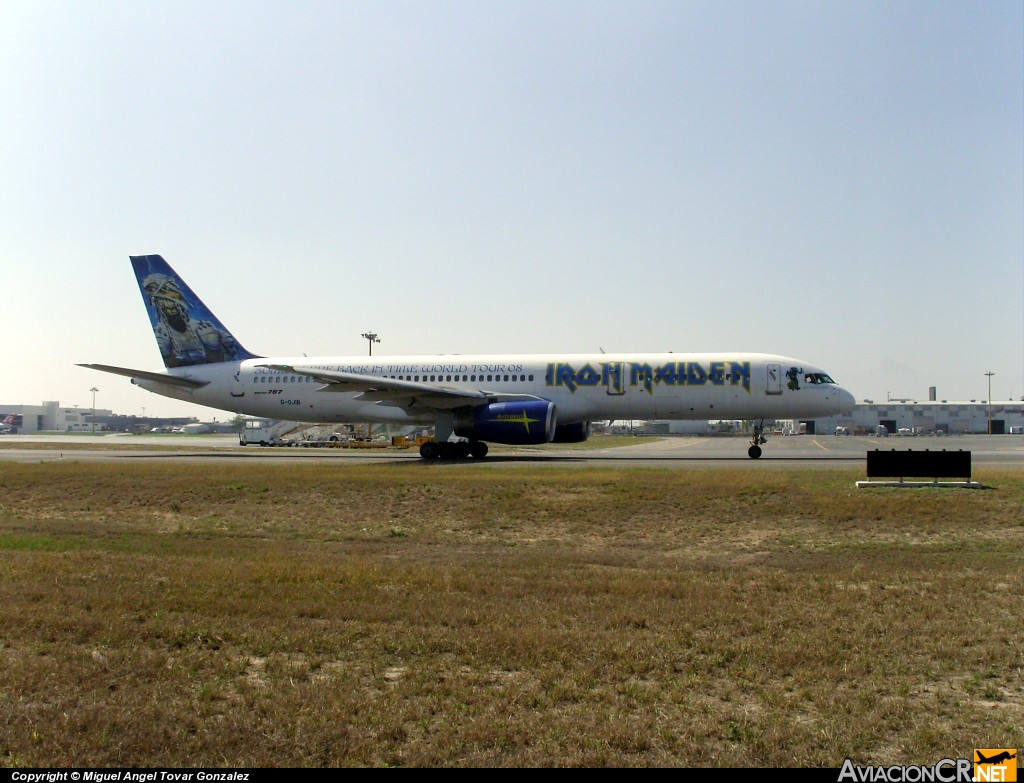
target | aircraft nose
[{"x": 846, "y": 400}]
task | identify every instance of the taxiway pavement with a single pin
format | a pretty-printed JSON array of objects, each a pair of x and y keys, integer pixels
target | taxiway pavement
[{"x": 672, "y": 452}]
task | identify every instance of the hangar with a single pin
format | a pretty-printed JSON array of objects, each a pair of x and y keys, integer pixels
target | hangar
[
  {"x": 927, "y": 418},
  {"x": 913, "y": 417}
]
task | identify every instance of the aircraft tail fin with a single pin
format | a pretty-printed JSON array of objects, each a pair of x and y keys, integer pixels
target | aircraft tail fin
[{"x": 187, "y": 333}]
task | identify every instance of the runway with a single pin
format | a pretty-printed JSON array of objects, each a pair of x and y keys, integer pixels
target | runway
[{"x": 812, "y": 452}]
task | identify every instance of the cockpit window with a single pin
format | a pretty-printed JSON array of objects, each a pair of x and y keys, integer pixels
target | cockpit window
[{"x": 817, "y": 377}]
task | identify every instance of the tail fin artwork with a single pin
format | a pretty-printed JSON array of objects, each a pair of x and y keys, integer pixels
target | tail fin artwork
[{"x": 185, "y": 329}]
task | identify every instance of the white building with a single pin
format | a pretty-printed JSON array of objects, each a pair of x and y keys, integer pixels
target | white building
[
  {"x": 925, "y": 417},
  {"x": 52, "y": 417},
  {"x": 920, "y": 418}
]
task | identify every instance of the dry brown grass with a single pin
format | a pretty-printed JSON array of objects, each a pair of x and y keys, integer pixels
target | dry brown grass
[{"x": 433, "y": 615}]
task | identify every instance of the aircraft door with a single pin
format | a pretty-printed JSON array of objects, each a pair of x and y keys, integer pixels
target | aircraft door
[
  {"x": 614, "y": 377},
  {"x": 237, "y": 388},
  {"x": 774, "y": 379}
]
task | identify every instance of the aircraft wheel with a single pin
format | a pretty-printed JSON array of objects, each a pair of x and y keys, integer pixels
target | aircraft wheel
[
  {"x": 462, "y": 449},
  {"x": 449, "y": 451},
  {"x": 754, "y": 452},
  {"x": 478, "y": 449},
  {"x": 430, "y": 450}
]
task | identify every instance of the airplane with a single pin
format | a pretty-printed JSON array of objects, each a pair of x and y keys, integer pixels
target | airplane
[
  {"x": 996, "y": 759},
  {"x": 521, "y": 399}
]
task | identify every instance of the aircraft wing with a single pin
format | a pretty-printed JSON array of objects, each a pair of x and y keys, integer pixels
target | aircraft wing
[
  {"x": 392, "y": 391},
  {"x": 156, "y": 377}
]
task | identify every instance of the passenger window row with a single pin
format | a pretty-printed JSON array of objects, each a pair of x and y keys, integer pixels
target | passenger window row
[{"x": 414, "y": 378}]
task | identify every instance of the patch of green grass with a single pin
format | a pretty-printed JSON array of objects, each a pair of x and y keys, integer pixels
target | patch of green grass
[{"x": 42, "y": 543}]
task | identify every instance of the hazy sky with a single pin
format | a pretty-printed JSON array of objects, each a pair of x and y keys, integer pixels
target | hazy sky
[{"x": 842, "y": 182}]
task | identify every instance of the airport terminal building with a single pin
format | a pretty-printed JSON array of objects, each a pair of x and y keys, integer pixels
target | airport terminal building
[{"x": 52, "y": 417}]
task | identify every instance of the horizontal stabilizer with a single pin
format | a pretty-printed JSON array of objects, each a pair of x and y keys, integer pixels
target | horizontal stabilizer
[{"x": 155, "y": 377}]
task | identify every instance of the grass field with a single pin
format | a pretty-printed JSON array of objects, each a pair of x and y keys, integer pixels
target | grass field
[{"x": 440, "y": 615}]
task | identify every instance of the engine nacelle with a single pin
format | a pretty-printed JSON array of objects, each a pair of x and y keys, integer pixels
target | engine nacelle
[
  {"x": 572, "y": 433},
  {"x": 516, "y": 423}
]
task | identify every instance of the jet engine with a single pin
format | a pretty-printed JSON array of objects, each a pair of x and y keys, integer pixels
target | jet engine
[
  {"x": 524, "y": 423},
  {"x": 572, "y": 433}
]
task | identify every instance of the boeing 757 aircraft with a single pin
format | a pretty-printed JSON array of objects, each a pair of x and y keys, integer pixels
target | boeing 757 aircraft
[{"x": 515, "y": 399}]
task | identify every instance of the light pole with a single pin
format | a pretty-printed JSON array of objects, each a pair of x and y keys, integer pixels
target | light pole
[
  {"x": 990, "y": 374},
  {"x": 372, "y": 337},
  {"x": 94, "y": 390}
]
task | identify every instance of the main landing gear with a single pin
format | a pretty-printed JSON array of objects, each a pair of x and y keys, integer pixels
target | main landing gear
[
  {"x": 755, "y": 443},
  {"x": 460, "y": 449}
]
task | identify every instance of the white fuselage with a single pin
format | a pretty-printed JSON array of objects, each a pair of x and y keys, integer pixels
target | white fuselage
[{"x": 583, "y": 387}]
